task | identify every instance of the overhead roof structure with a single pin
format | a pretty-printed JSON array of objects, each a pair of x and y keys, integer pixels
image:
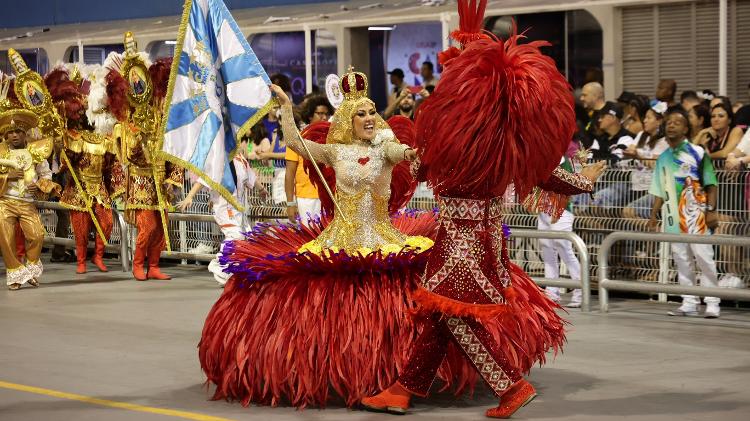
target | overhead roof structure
[{"x": 353, "y": 13}]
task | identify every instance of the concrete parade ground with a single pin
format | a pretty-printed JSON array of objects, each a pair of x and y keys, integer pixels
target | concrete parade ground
[{"x": 102, "y": 346}]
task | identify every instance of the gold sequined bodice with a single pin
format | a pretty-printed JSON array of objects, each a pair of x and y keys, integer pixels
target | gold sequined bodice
[{"x": 363, "y": 180}]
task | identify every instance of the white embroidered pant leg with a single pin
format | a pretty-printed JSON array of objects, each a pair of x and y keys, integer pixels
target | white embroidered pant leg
[
  {"x": 551, "y": 249},
  {"x": 229, "y": 220}
]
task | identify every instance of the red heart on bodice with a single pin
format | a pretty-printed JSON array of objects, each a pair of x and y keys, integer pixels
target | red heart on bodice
[{"x": 363, "y": 161}]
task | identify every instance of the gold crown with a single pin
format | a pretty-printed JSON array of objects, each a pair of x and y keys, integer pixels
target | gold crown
[{"x": 353, "y": 84}]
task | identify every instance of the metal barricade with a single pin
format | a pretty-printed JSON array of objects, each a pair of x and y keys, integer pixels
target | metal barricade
[
  {"x": 120, "y": 234},
  {"x": 606, "y": 284},
  {"x": 583, "y": 257}
]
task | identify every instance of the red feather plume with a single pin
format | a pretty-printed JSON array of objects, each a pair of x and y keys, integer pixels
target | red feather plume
[
  {"x": 317, "y": 133},
  {"x": 66, "y": 92},
  {"x": 12, "y": 97},
  {"x": 471, "y": 16},
  {"x": 117, "y": 95},
  {"x": 159, "y": 72},
  {"x": 501, "y": 114},
  {"x": 402, "y": 182}
]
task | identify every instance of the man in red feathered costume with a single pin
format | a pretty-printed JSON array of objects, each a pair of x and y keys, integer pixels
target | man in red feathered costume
[
  {"x": 473, "y": 297},
  {"x": 136, "y": 94},
  {"x": 92, "y": 171}
]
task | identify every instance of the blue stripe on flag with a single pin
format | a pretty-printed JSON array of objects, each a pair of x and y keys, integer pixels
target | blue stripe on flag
[
  {"x": 226, "y": 179},
  {"x": 237, "y": 68},
  {"x": 187, "y": 111},
  {"x": 239, "y": 114},
  {"x": 206, "y": 137},
  {"x": 202, "y": 31},
  {"x": 220, "y": 13}
]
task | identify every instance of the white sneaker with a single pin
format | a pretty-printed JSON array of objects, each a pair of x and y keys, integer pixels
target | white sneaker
[
  {"x": 685, "y": 310},
  {"x": 573, "y": 304},
  {"x": 712, "y": 311}
]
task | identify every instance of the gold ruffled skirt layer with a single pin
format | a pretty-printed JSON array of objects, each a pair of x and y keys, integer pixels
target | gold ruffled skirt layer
[{"x": 366, "y": 229}]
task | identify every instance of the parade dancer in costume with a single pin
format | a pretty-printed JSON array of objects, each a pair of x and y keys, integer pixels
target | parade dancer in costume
[
  {"x": 136, "y": 94},
  {"x": 230, "y": 220},
  {"x": 94, "y": 175},
  {"x": 24, "y": 176},
  {"x": 474, "y": 298},
  {"x": 317, "y": 313}
]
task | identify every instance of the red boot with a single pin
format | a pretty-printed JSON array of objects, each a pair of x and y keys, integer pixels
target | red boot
[
  {"x": 517, "y": 396},
  {"x": 138, "y": 260},
  {"x": 153, "y": 266},
  {"x": 394, "y": 400},
  {"x": 81, "y": 258},
  {"x": 98, "y": 259}
]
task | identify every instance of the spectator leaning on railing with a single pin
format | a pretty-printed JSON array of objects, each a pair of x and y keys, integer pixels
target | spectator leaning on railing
[
  {"x": 684, "y": 186},
  {"x": 650, "y": 143}
]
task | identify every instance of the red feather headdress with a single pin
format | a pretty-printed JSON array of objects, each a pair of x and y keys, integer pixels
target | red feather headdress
[
  {"x": 66, "y": 92},
  {"x": 501, "y": 114}
]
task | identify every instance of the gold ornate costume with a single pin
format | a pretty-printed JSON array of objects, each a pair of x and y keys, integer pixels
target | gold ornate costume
[
  {"x": 16, "y": 200},
  {"x": 94, "y": 158},
  {"x": 139, "y": 155},
  {"x": 139, "y": 136}
]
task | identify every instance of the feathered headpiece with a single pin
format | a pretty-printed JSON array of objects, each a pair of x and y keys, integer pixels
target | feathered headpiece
[
  {"x": 501, "y": 114},
  {"x": 66, "y": 93}
]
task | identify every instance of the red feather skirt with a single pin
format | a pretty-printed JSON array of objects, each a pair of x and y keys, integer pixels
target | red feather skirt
[{"x": 306, "y": 330}]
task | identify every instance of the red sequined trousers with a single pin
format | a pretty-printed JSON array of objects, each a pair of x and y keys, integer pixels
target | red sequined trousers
[
  {"x": 464, "y": 282},
  {"x": 83, "y": 225},
  {"x": 150, "y": 240}
]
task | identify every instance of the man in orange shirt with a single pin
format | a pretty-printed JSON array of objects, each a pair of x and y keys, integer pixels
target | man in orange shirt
[{"x": 301, "y": 194}]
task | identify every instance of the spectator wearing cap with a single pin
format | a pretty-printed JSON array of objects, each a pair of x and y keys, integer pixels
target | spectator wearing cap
[
  {"x": 615, "y": 139},
  {"x": 397, "y": 80},
  {"x": 666, "y": 91},
  {"x": 592, "y": 98},
  {"x": 684, "y": 186},
  {"x": 611, "y": 147},
  {"x": 688, "y": 100},
  {"x": 404, "y": 106},
  {"x": 428, "y": 74}
]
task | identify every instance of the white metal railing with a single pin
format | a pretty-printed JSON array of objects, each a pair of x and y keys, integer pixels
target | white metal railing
[{"x": 606, "y": 284}]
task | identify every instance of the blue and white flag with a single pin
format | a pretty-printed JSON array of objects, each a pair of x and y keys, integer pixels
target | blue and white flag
[{"x": 217, "y": 92}]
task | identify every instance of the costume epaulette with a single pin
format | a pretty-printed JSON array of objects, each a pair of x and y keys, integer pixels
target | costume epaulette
[{"x": 40, "y": 149}]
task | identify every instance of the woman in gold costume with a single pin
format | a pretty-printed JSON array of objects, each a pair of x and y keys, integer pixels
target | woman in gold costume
[{"x": 308, "y": 309}]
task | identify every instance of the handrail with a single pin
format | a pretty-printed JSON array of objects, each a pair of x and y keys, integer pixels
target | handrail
[
  {"x": 121, "y": 250},
  {"x": 606, "y": 284},
  {"x": 583, "y": 256}
]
